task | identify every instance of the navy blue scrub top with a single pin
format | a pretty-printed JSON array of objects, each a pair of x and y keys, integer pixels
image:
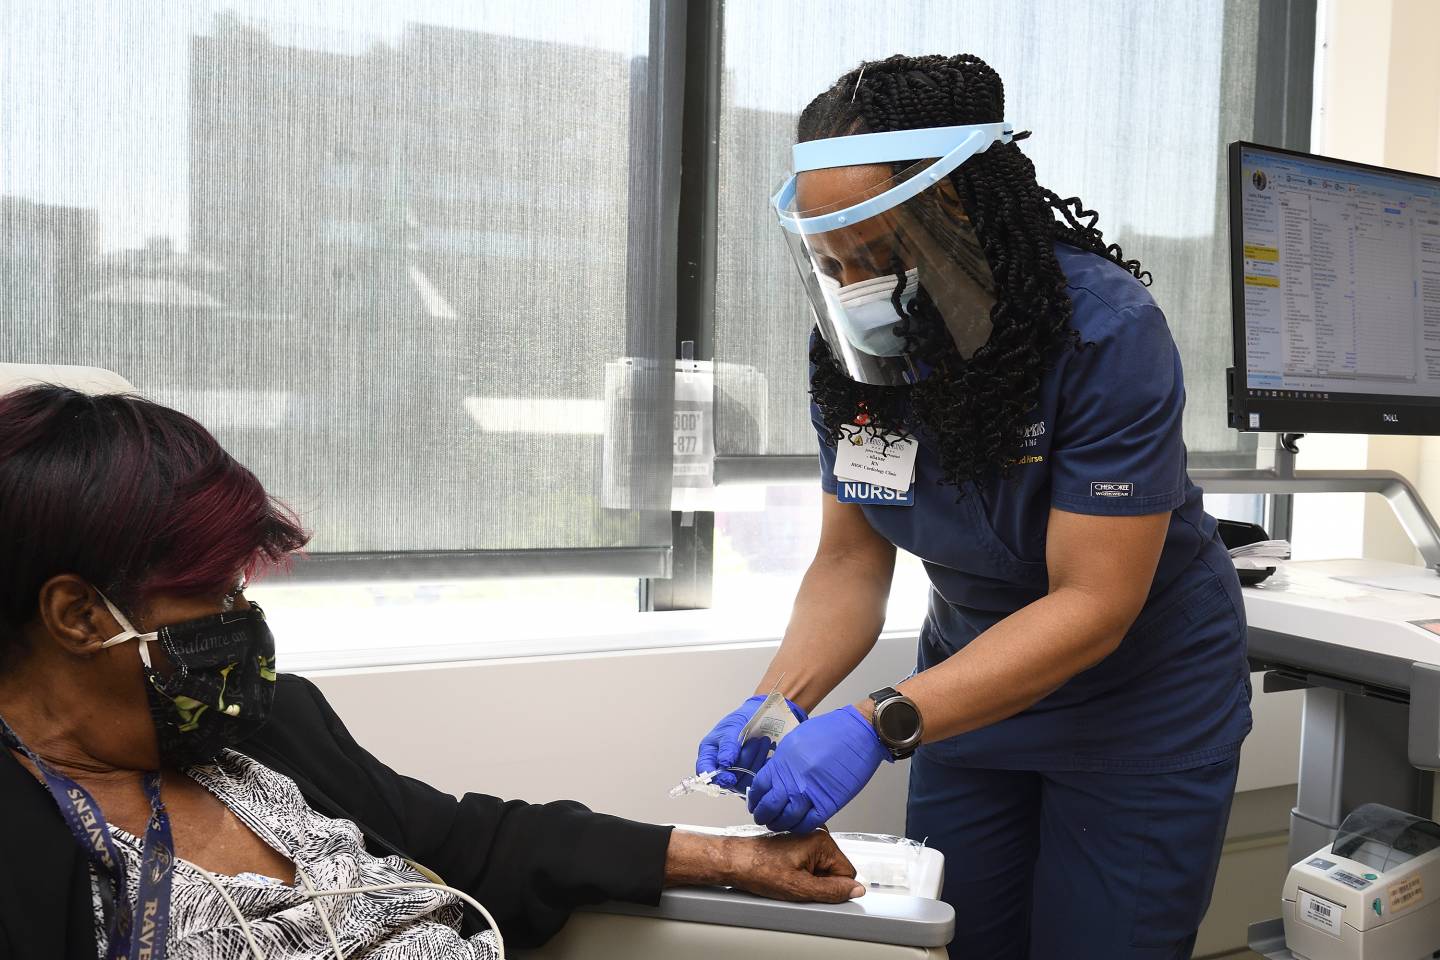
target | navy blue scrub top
[{"x": 1104, "y": 439}]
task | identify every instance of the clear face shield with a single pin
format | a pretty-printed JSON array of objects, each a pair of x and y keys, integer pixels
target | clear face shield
[{"x": 881, "y": 254}]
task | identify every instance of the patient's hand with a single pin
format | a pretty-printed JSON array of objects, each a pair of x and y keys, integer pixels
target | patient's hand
[{"x": 785, "y": 867}]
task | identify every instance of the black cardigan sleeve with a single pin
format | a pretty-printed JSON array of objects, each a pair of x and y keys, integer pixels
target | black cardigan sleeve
[{"x": 531, "y": 865}]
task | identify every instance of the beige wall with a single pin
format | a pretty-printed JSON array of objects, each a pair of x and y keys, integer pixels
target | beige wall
[
  {"x": 1378, "y": 101},
  {"x": 613, "y": 730},
  {"x": 617, "y": 730}
]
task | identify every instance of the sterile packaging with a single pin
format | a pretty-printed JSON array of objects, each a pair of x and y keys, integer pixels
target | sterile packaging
[
  {"x": 882, "y": 861},
  {"x": 772, "y": 720}
]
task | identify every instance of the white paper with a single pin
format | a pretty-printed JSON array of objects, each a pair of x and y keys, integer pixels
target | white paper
[
  {"x": 844, "y": 479},
  {"x": 1425, "y": 582},
  {"x": 1320, "y": 913},
  {"x": 1275, "y": 549},
  {"x": 873, "y": 460}
]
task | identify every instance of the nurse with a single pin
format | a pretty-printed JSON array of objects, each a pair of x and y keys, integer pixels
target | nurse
[{"x": 995, "y": 391}]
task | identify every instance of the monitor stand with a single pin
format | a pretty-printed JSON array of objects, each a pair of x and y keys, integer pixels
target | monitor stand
[{"x": 1281, "y": 477}]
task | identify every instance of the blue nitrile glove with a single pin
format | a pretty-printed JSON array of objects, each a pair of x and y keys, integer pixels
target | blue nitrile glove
[
  {"x": 720, "y": 749},
  {"x": 816, "y": 770}
]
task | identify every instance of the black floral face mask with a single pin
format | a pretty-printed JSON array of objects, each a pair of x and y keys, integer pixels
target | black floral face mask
[{"x": 222, "y": 685}]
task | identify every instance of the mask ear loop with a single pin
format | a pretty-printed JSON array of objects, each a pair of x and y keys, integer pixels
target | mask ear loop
[{"x": 128, "y": 632}]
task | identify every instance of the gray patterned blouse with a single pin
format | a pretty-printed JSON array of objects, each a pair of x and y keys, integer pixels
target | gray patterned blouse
[{"x": 390, "y": 925}]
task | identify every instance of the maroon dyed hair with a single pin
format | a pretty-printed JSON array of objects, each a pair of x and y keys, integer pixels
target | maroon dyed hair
[{"x": 136, "y": 498}]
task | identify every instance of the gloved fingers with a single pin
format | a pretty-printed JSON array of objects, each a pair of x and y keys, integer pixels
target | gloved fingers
[
  {"x": 797, "y": 809},
  {"x": 719, "y": 748},
  {"x": 766, "y": 809},
  {"x": 708, "y": 758},
  {"x": 759, "y": 787},
  {"x": 727, "y": 750},
  {"x": 753, "y": 754},
  {"x": 813, "y": 821}
]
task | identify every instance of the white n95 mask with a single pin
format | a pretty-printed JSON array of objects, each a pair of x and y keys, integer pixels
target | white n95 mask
[{"x": 867, "y": 315}]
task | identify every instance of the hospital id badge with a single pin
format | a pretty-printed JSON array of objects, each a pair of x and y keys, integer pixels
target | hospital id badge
[
  {"x": 866, "y": 455},
  {"x": 873, "y": 494}
]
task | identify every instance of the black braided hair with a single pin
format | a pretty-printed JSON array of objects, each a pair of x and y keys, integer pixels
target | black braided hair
[{"x": 975, "y": 407}]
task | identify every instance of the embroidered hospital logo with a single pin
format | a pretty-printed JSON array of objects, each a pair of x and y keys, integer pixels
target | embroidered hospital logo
[
  {"x": 1109, "y": 488},
  {"x": 1030, "y": 435}
]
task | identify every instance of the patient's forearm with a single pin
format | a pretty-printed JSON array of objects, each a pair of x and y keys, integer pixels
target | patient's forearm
[{"x": 696, "y": 860}]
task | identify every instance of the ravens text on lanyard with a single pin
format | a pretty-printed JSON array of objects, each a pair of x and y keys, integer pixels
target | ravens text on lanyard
[{"x": 136, "y": 932}]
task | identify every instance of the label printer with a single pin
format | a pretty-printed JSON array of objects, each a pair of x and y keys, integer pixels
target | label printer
[{"x": 1374, "y": 894}]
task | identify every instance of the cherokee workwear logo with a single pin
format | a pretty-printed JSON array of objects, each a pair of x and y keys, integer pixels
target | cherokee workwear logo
[{"x": 1109, "y": 488}]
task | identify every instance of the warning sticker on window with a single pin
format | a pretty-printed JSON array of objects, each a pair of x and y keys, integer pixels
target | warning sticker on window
[
  {"x": 1407, "y": 892},
  {"x": 1320, "y": 913}
]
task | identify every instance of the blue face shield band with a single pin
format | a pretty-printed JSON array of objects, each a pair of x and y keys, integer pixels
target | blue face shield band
[{"x": 868, "y": 241}]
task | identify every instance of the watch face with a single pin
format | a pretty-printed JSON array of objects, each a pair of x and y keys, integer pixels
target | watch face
[{"x": 898, "y": 722}]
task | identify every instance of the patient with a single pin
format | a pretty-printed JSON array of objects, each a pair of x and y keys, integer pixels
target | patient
[{"x": 137, "y": 690}]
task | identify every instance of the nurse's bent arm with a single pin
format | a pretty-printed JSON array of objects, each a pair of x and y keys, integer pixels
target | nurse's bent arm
[
  {"x": 1101, "y": 568},
  {"x": 839, "y": 610}
]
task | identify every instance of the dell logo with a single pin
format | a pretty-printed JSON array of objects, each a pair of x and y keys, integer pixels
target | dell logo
[{"x": 1390, "y": 417}]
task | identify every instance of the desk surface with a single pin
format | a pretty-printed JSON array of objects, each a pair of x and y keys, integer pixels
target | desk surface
[{"x": 1311, "y": 615}]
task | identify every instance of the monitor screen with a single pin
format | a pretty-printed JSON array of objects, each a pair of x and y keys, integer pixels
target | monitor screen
[{"x": 1336, "y": 289}]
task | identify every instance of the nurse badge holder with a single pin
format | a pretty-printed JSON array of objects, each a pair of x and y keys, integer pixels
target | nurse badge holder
[{"x": 1373, "y": 894}]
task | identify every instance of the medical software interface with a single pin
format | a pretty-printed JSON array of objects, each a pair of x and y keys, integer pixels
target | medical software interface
[{"x": 1341, "y": 280}]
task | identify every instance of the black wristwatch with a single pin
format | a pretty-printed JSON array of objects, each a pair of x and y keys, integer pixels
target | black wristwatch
[{"x": 897, "y": 722}]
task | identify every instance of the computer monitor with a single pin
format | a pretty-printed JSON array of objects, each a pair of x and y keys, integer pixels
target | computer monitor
[{"x": 1335, "y": 280}]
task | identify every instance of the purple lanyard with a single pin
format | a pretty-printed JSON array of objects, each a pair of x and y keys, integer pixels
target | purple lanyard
[{"x": 137, "y": 933}]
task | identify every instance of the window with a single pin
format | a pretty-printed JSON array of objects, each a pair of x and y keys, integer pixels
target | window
[
  {"x": 366, "y": 623},
  {"x": 415, "y": 263},
  {"x": 1131, "y": 105},
  {"x": 394, "y": 254},
  {"x": 762, "y": 550}
]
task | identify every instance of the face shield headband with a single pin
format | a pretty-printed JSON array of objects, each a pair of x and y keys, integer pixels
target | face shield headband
[
  {"x": 873, "y": 239},
  {"x": 953, "y": 146}
]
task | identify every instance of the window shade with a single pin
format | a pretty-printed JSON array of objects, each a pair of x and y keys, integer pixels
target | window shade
[
  {"x": 1131, "y": 104},
  {"x": 385, "y": 250}
]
